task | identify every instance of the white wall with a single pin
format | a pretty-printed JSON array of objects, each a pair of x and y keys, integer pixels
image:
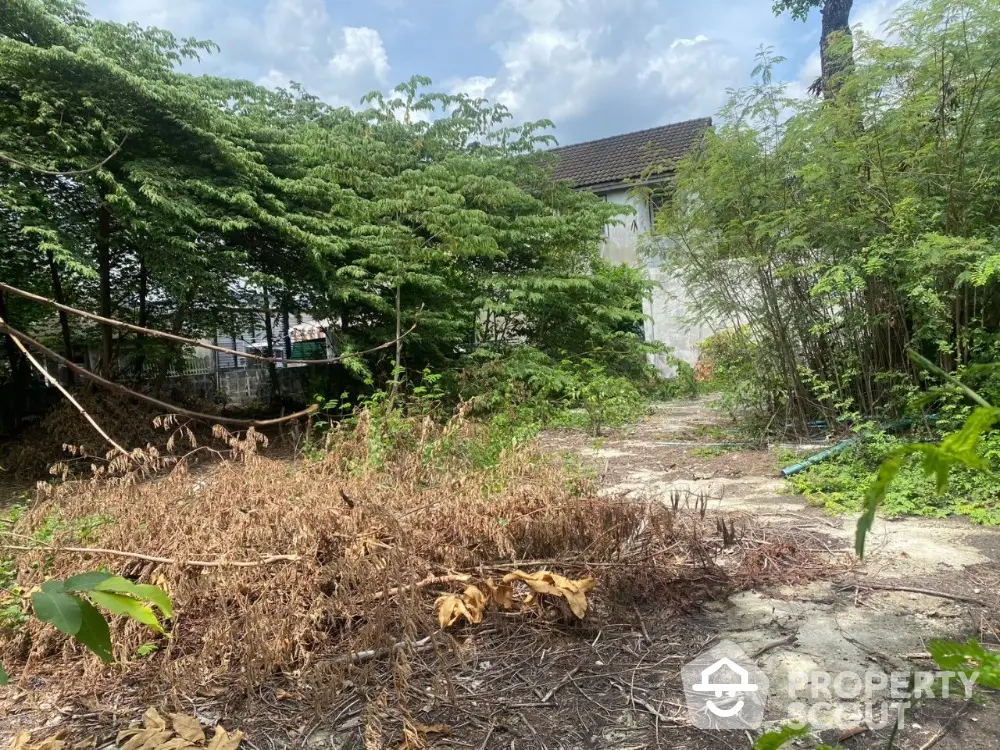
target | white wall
[{"x": 669, "y": 309}]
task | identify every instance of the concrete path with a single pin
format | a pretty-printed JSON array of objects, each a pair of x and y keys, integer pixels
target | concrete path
[{"x": 838, "y": 627}]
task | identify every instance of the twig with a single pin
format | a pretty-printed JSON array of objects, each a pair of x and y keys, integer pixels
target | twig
[
  {"x": 267, "y": 560},
  {"x": 48, "y": 378},
  {"x": 943, "y": 730},
  {"x": 359, "y": 657},
  {"x": 68, "y": 173},
  {"x": 773, "y": 644},
  {"x": 642, "y": 625},
  {"x": 428, "y": 581},
  {"x": 17, "y": 337},
  {"x": 926, "y": 592},
  {"x": 183, "y": 339},
  {"x": 642, "y": 703},
  {"x": 489, "y": 733},
  {"x": 558, "y": 686}
]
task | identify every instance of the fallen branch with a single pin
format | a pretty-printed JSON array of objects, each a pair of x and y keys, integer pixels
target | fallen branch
[
  {"x": 559, "y": 685},
  {"x": 359, "y": 657},
  {"x": 914, "y": 590},
  {"x": 428, "y": 581},
  {"x": 773, "y": 644},
  {"x": 17, "y": 337},
  {"x": 267, "y": 560},
  {"x": 943, "y": 730},
  {"x": 191, "y": 342},
  {"x": 49, "y": 379}
]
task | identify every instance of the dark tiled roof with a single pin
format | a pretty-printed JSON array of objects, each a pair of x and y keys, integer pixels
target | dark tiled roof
[{"x": 613, "y": 160}]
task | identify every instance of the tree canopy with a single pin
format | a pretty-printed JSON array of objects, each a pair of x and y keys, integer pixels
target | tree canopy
[{"x": 190, "y": 203}]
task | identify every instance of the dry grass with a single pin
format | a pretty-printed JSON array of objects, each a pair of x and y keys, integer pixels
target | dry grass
[
  {"x": 384, "y": 505},
  {"x": 43, "y": 443}
]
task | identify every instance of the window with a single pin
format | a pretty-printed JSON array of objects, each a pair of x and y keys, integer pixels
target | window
[{"x": 658, "y": 198}]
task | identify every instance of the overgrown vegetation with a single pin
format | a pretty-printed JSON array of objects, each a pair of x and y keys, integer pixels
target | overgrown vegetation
[
  {"x": 216, "y": 207},
  {"x": 831, "y": 236},
  {"x": 308, "y": 566}
]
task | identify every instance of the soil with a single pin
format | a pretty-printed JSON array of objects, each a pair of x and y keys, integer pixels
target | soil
[{"x": 617, "y": 685}]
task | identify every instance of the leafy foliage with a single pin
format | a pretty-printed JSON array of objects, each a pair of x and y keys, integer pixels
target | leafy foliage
[
  {"x": 833, "y": 236},
  {"x": 215, "y": 207},
  {"x": 68, "y": 606}
]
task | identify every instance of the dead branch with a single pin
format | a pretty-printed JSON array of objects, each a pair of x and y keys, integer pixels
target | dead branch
[
  {"x": 17, "y": 336},
  {"x": 773, "y": 644},
  {"x": 428, "y": 581},
  {"x": 183, "y": 339},
  {"x": 925, "y": 592},
  {"x": 359, "y": 657},
  {"x": 267, "y": 560},
  {"x": 48, "y": 378},
  {"x": 558, "y": 686},
  {"x": 67, "y": 173},
  {"x": 943, "y": 730}
]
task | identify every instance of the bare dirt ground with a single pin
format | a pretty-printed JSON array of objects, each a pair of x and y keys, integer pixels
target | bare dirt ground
[
  {"x": 614, "y": 682},
  {"x": 856, "y": 621}
]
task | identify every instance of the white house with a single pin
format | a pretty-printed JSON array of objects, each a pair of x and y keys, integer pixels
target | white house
[{"x": 613, "y": 168}]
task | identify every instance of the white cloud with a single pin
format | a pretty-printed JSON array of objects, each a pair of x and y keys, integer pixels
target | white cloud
[
  {"x": 362, "y": 52},
  {"x": 292, "y": 40},
  {"x": 593, "y": 60},
  {"x": 474, "y": 86}
]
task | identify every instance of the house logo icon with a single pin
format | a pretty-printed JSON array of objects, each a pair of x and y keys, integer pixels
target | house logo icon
[{"x": 724, "y": 689}]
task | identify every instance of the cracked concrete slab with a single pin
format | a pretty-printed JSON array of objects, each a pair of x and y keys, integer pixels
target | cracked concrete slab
[{"x": 821, "y": 628}]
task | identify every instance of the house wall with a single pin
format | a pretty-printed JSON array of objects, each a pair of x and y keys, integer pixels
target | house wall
[{"x": 669, "y": 310}]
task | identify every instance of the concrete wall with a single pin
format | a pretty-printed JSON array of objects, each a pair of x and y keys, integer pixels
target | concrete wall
[{"x": 669, "y": 310}]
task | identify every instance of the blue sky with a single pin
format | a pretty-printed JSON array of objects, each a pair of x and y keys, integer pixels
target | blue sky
[{"x": 595, "y": 67}]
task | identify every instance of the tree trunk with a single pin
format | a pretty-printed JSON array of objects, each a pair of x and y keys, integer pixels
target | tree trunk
[
  {"x": 57, "y": 295},
  {"x": 18, "y": 365},
  {"x": 104, "y": 270},
  {"x": 176, "y": 325},
  {"x": 834, "y": 62},
  {"x": 140, "y": 341},
  {"x": 272, "y": 371},
  {"x": 285, "y": 326}
]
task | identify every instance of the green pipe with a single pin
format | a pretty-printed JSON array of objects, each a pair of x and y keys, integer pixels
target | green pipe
[{"x": 834, "y": 450}]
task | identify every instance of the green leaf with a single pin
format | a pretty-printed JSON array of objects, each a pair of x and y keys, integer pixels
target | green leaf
[
  {"x": 94, "y": 632},
  {"x": 4, "y": 677},
  {"x": 121, "y": 604},
  {"x": 157, "y": 596},
  {"x": 53, "y": 586},
  {"x": 774, "y": 740},
  {"x": 86, "y": 581},
  {"x": 117, "y": 585},
  {"x": 144, "y": 591},
  {"x": 61, "y": 610}
]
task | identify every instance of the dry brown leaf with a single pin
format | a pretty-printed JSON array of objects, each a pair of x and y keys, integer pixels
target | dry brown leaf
[
  {"x": 470, "y": 605},
  {"x": 152, "y": 719},
  {"x": 282, "y": 695},
  {"x": 449, "y": 609},
  {"x": 475, "y": 602},
  {"x": 86, "y": 744},
  {"x": 138, "y": 739},
  {"x": 20, "y": 740},
  {"x": 187, "y": 727},
  {"x": 546, "y": 582},
  {"x": 501, "y": 594},
  {"x": 177, "y": 743},
  {"x": 222, "y": 740}
]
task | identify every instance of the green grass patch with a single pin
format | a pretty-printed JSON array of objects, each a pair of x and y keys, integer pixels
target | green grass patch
[{"x": 839, "y": 484}]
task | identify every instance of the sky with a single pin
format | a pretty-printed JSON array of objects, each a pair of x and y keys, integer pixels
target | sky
[{"x": 595, "y": 67}]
